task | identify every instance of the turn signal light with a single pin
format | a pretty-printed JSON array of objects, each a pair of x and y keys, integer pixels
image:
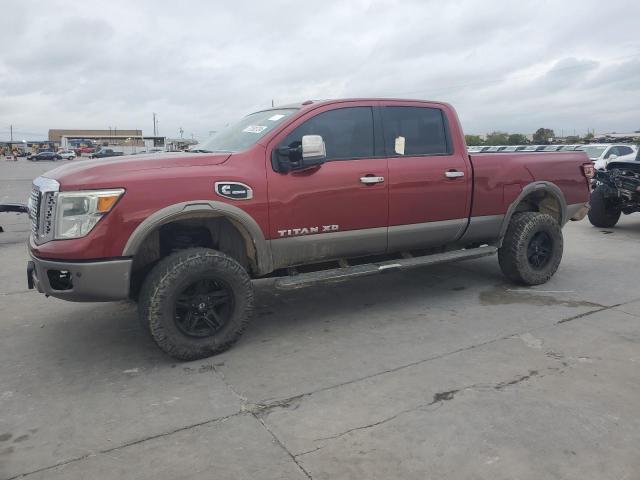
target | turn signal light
[{"x": 106, "y": 203}]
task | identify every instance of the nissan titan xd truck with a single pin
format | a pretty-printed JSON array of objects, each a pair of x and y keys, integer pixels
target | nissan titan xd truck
[{"x": 306, "y": 193}]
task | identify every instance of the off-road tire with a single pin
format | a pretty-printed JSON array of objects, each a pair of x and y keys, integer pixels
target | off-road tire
[
  {"x": 513, "y": 254},
  {"x": 169, "y": 277},
  {"x": 602, "y": 214}
]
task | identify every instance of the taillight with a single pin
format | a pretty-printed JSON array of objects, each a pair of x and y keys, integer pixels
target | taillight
[{"x": 588, "y": 170}]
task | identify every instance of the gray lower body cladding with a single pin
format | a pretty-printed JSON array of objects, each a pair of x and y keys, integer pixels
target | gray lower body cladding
[{"x": 92, "y": 281}]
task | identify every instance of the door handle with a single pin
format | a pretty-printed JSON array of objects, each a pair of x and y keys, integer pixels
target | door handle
[
  {"x": 453, "y": 174},
  {"x": 371, "y": 180}
]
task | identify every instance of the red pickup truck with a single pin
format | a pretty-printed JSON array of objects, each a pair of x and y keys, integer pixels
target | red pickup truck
[{"x": 313, "y": 192}]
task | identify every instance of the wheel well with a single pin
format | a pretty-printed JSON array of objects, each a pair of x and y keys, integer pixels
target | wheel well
[
  {"x": 541, "y": 201},
  {"x": 218, "y": 233}
]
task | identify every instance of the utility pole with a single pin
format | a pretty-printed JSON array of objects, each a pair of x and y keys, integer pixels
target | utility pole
[
  {"x": 11, "y": 130},
  {"x": 155, "y": 130},
  {"x": 181, "y": 130}
]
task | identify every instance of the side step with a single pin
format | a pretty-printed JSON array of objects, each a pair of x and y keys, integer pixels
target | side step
[{"x": 345, "y": 273}]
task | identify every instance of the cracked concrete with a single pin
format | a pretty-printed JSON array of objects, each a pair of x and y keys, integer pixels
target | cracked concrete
[{"x": 447, "y": 372}]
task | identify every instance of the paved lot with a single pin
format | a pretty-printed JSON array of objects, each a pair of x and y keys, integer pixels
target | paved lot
[{"x": 446, "y": 372}]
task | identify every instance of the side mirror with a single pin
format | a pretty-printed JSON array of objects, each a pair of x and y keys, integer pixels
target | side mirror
[
  {"x": 309, "y": 153},
  {"x": 313, "y": 151},
  {"x": 612, "y": 157}
]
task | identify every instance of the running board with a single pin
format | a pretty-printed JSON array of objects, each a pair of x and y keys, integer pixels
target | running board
[{"x": 346, "y": 273}]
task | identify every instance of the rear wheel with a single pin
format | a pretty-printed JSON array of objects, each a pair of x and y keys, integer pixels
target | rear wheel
[
  {"x": 196, "y": 303},
  {"x": 531, "y": 249},
  {"x": 604, "y": 212}
]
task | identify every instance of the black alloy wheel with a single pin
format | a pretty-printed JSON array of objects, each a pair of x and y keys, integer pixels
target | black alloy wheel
[
  {"x": 540, "y": 250},
  {"x": 203, "y": 308}
]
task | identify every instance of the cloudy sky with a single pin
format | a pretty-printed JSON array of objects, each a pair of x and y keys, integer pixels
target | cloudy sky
[{"x": 505, "y": 65}]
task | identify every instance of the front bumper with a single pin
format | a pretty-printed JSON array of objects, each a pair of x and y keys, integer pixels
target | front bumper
[{"x": 81, "y": 281}]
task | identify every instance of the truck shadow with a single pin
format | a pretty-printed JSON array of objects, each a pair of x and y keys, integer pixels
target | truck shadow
[{"x": 90, "y": 334}]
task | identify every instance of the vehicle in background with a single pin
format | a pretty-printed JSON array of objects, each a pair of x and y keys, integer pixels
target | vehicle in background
[
  {"x": 474, "y": 149},
  {"x": 84, "y": 150},
  {"x": 617, "y": 191},
  {"x": 513, "y": 148},
  {"x": 551, "y": 148},
  {"x": 67, "y": 154},
  {"x": 530, "y": 148},
  {"x": 613, "y": 152},
  {"x": 22, "y": 153},
  {"x": 185, "y": 234},
  {"x": 569, "y": 148},
  {"x": 106, "y": 152},
  {"x": 44, "y": 156},
  {"x": 603, "y": 151}
]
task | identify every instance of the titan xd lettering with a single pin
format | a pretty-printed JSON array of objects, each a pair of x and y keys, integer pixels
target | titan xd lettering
[{"x": 292, "y": 232}]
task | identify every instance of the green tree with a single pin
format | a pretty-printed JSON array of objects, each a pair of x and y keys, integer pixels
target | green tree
[
  {"x": 588, "y": 136},
  {"x": 497, "y": 138},
  {"x": 517, "y": 139},
  {"x": 473, "y": 140},
  {"x": 542, "y": 136},
  {"x": 572, "y": 139}
]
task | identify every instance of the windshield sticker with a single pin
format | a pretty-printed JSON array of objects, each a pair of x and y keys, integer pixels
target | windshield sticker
[
  {"x": 255, "y": 129},
  {"x": 400, "y": 145},
  {"x": 276, "y": 117}
]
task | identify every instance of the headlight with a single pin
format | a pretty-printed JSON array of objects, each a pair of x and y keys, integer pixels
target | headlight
[{"x": 78, "y": 212}]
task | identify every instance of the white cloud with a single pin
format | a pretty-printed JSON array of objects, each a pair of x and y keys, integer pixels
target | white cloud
[{"x": 511, "y": 66}]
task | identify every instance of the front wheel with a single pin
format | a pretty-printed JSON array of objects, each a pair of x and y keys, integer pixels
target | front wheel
[
  {"x": 196, "y": 303},
  {"x": 531, "y": 249}
]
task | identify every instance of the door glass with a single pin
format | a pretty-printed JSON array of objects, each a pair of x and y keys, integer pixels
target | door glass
[
  {"x": 414, "y": 131},
  {"x": 347, "y": 132}
]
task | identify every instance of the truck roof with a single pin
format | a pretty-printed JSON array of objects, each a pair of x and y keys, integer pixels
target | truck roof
[{"x": 315, "y": 103}]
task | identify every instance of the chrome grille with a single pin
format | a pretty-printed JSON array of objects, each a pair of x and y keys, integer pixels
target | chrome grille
[
  {"x": 42, "y": 208},
  {"x": 34, "y": 209}
]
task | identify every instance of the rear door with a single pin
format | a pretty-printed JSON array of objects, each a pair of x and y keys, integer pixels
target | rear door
[
  {"x": 338, "y": 209},
  {"x": 429, "y": 176}
]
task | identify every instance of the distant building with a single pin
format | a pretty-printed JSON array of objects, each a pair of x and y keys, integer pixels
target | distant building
[
  {"x": 628, "y": 137},
  {"x": 55, "y": 135}
]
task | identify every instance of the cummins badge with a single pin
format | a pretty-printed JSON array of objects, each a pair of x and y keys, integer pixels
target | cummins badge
[{"x": 234, "y": 190}]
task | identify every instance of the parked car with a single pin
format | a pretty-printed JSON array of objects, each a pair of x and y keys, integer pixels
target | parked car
[
  {"x": 106, "y": 152},
  {"x": 44, "y": 156},
  {"x": 67, "y": 154},
  {"x": 602, "y": 151},
  {"x": 617, "y": 191},
  {"x": 569, "y": 147},
  {"x": 514, "y": 148},
  {"x": 306, "y": 186},
  {"x": 611, "y": 153}
]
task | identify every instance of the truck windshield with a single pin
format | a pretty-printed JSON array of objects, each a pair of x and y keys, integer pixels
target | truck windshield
[{"x": 245, "y": 133}]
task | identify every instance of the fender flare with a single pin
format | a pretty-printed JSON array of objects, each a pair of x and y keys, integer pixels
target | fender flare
[
  {"x": 544, "y": 186},
  {"x": 248, "y": 227}
]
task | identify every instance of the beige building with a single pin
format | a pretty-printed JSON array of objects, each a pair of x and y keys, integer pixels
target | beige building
[{"x": 55, "y": 135}]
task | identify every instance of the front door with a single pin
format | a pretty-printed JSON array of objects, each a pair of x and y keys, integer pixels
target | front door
[
  {"x": 429, "y": 177},
  {"x": 338, "y": 209}
]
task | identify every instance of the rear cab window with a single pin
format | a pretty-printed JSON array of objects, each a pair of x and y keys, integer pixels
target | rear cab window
[{"x": 415, "y": 131}]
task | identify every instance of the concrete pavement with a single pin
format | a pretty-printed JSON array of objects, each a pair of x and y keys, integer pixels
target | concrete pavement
[{"x": 445, "y": 372}]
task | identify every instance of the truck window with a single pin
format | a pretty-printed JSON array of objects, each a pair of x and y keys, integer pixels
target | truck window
[
  {"x": 414, "y": 131},
  {"x": 347, "y": 132}
]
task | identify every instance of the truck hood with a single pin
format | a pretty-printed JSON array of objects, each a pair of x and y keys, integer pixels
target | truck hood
[{"x": 103, "y": 169}]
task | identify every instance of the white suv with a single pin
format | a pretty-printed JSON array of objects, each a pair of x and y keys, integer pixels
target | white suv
[{"x": 602, "y": 153}]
